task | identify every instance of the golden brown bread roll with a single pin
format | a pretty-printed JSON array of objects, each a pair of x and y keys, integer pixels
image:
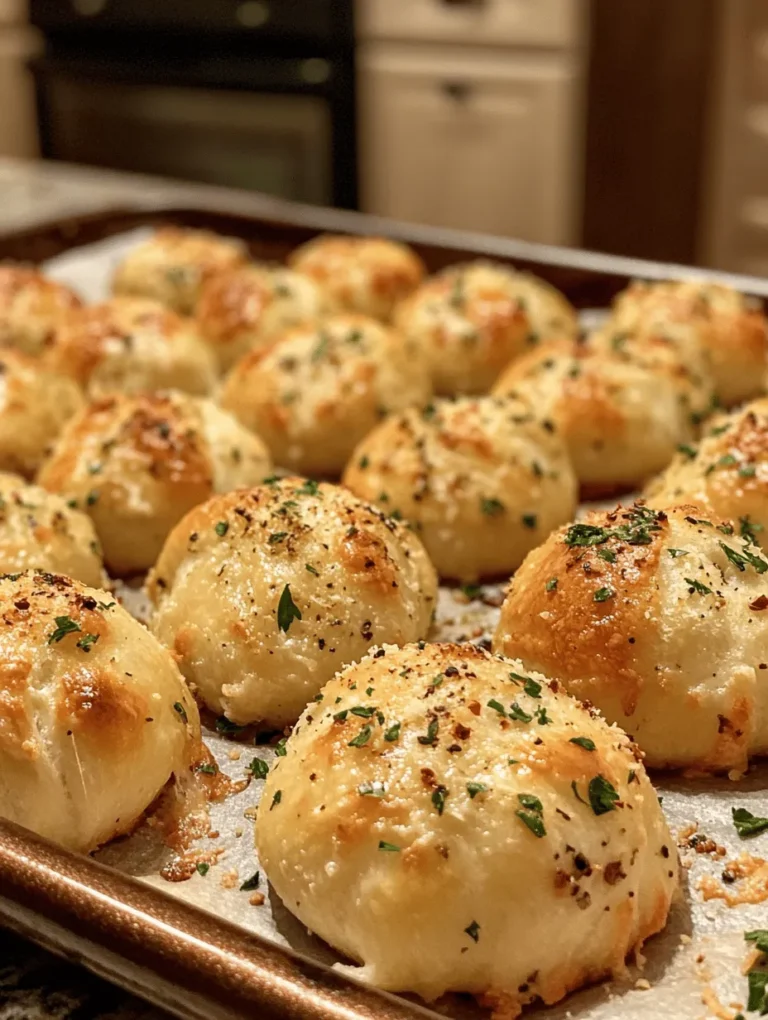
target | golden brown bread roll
[
  {"x": 673, "y": 349},
  {"x": 137, "y": 464},
  {"x": 659, "y": 619},
  {"x": 318, "y": 390},
  {"x": 129, "y": 345},
  {"x": 481, "y": 480},
  {"x": 369, "y": 275},
  {"x": 35, "y": 404},
  {"x": 264, "y": 593},
  {"x": 621, "y": 421},
  {"x": 31, "y": 308},
  {"x": 41, "y": 530},
  {"x": 726, "y": 471},
  {"x": 473, "y": 319},
  {"x": 246, "y": 308},
  {"x": 451, "y": 824},
  {"x": 95, "y": 718},
  {"x": 172, "y": 265},
  {"x": 731, "y": 327}
]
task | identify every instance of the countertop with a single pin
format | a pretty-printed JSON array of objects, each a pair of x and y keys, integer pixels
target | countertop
[{"x": 35, "y": 985}]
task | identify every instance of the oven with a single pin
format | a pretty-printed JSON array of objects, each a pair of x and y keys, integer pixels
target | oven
[{"x": 255, "y": 94}]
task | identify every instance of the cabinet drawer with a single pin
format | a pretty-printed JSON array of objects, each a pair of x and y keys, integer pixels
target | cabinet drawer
[
  {"x": 483, "y": 22},
  {"x": 478, "y": 142}
]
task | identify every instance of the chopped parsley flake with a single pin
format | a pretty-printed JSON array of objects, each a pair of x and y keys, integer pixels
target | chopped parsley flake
[
  {"x": 491, "y": 507},
  {"x": 474, "y": 788},
  {"x": 179, "y": 708},
  {"x": 87, "y": 641},
  {"x": 389, "y": 847},
  {"x": 208, "y": 768},
  {"x": 542, "y": 717},
  {"x": 393, "y": 733},
  {"x": 64, "y": 625},
  {"x": 748, "y": 824},
  {"x": 362, "y": 737},
  {"x": 251, "y": 883},
  {"x": 221, "y": 528},
  {"x": 280, "y": 749},
  {"x": 697, "y": 586},
  {"x": 749, "y": 529},
  {"x": 603, "y": 594},
  {"x": 311, "y": 569},
  {"x": 743, "y": 558},
  {"x": 747, "y": 471},
  {"x": 602, "y": 795},
  {"x": 364, "y": 462},
  {"x": 473, "y": 930},
  {"x": 226, "y": 727},
  {"x": 674, "y": 553},
  {"x": 607, "y": 554},
  {"x": 278, "y": 796},
  {"x": 551, "y": 584},
  {"x": 472, "y": 591},
  {"x": 287, "y": 610},
  {"x": 375, "y": 789},
  {"x": 258, "y": 768},
  {"x": 431, "y": 735},
  {"x": 585, "y": 742},
  {"x": 438, "y": 798},
  {"x": 688, "y": 450},
  {"x": 202, "y": 868},
  {"x": 532, "y": 688},
  {"x": 277, "y": 536},
  {"x": 515, "y": 712},
  {"x": 531, "y": 813},
  {"x": 309, "y": 488},
  {"x": 529, "y": 520},
  {"x": 497, "y": 707}
]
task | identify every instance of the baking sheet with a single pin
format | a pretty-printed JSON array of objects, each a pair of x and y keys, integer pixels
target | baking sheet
[{"x": 691, "y": 970}]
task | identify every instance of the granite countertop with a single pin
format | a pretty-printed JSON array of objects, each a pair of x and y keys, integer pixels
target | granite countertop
[{"x": 34, "y": 985}]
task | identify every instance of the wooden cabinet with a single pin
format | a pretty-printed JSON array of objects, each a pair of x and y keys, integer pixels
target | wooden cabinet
[
  {"x": 474, "y": 139},
  {"x": 472, "y": 22}
]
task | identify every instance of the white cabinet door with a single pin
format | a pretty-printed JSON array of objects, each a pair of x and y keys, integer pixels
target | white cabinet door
[{"x": 471, "y": 140}]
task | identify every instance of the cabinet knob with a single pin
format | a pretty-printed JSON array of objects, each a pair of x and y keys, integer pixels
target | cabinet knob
[
  {"x": 252, "y": 13},
  {"x": 459, "y": 91}
]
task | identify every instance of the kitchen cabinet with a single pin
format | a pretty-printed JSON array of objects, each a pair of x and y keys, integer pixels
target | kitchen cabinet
[
  {"x": 18, "y": 43},
  {"x": 470, "y": 140},
  {"x": 469, "y": 114}
]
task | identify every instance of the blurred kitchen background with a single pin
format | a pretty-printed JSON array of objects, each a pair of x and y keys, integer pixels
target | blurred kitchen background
[{"x": 637, "y": 127}]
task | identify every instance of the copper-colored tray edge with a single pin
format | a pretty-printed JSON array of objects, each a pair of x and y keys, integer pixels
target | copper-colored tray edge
[{"x": 189, "y": 962}]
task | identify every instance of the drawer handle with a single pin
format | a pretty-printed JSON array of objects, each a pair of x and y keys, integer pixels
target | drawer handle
[
  {"x": 459, "y": 91},
  {"x": 462, "y": 3}
]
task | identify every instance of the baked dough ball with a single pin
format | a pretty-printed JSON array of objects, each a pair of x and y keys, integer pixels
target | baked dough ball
[
  {"x": 263, "y": 594},
  {"x": 481, "y": 480},
  {"x": 315, "y": 393},
  {"x": 671, "y": 348},
  {"x": 657, "y": 618},
  {"x": 35, "y": 403},
  {"x": 172, "y": 265},
  {"x": 95, "y": 718},
  {"x": 129, "y": 345},
  {"x": 39, "y": 529},
  {"x": 31, "y": 308},
  {"x": 369, "y": 275},
  {"x": 453, "y": 825},
  {"x": 474, "y": 319},
  {"x": 727, "y": 471},
  {"x": 621, "y": 421},
  {"x": 246, "y": 308},
  {"x": 137, "y": 464},
  {"x": 731, "y": 327}
]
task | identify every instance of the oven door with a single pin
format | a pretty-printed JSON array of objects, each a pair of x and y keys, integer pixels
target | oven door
[{"x": 276, "y": 143}]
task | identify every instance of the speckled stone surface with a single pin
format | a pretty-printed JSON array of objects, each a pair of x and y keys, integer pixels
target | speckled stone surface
[{"x": 34, "y": 985}]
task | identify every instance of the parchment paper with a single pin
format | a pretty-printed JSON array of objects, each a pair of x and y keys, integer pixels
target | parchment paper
[{"x": 692, "y": 970}]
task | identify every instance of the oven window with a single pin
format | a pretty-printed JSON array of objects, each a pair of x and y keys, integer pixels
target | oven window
[{"x": 277, "y": 144}]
